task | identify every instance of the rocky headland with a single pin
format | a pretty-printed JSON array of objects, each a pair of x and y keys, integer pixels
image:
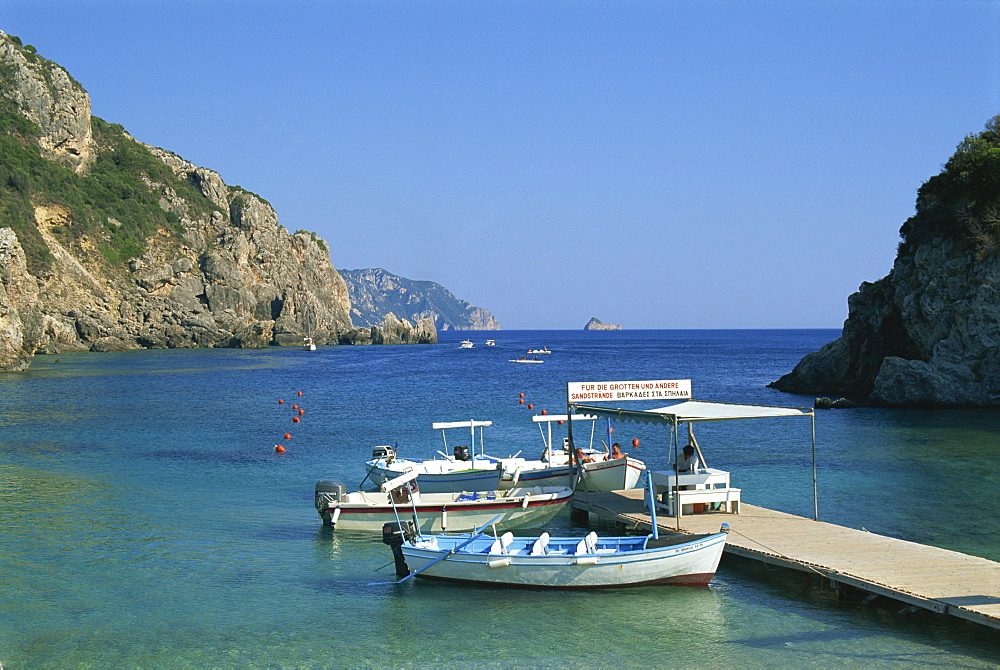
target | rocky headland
[
  {"x": 597, "y": 324},
  {"x": 928, "y": 334},
  {"x": 376, "y": 293},
  {"x": 109, "y": 244}
]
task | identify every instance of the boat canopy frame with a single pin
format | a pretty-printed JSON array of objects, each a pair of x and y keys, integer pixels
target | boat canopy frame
[{"x": 698, "y": 411}]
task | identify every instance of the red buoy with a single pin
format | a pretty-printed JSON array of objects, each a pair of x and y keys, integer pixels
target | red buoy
[
  {"x": 560, "y": 422},
  {"x": 521, "y": 401},
  {"x": 295, "y": 406},
  {"x": 295, "y": 419},
  {"x": 544, "y": 412},
  {"x": 531, "y": 406},
  {"x": 288, "y": 436},
  {"x": 521, "y": 394},
  {"x": 301, "y": 412},
  {"x": 635, "y": 442},
  {"x": 278, "y": 448},
  {"x": 300, "y": 394},
  {"x": 281, "y": 402}
]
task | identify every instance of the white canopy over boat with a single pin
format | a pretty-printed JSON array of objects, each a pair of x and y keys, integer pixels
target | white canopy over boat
[{"x": 691, "y": 411}]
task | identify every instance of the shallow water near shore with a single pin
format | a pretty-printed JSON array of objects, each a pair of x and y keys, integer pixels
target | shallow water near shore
[{"x": 146, "y": 520}]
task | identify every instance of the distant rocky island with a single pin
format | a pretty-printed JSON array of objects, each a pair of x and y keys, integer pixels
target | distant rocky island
[
  {"x": 597, "y": 324},
  {"x": 109, "y": 244},
  {"x": 376, "y": 293},
  {"x": 927, "y": 334}
]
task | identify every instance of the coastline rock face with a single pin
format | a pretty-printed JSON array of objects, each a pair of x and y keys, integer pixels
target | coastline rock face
[
  {"x": 46, "y": 94},
  {"x": 21, "y": 320},
  {"x": 180, "y": 259},
  {"x": 375, "y": 294},
  {"x": 928, "y": 334},
  {"x": 597, "y": 324}
]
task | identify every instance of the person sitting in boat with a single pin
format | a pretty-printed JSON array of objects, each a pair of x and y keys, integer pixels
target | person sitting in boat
[
  {"x": 616, "y": 451},
  {"x": 687, "y": 462},
  {"x": 581, "y": 458}
]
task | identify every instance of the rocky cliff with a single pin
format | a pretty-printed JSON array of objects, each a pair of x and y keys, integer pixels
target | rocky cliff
[
  {"x": 597, "y": 324},
  {"x": 109, "y": 244},
  {"x": 928, "y": 334},
  {"x": 376, "y": 293}
]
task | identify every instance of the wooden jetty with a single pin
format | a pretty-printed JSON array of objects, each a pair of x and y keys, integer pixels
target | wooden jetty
[{"x": 943, "y": 581}]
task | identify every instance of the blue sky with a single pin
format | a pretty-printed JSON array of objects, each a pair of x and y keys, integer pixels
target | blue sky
[{"x": 654, "y": 164}]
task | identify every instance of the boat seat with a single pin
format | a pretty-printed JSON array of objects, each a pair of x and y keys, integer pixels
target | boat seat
[
  {"x": 541, "y": 545},
  {"x": 587, "y": 545},
  {"x": 502, "y": 544}
]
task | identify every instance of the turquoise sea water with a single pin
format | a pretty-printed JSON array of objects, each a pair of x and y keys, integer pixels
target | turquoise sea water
[{"x": 146, "y": 520}]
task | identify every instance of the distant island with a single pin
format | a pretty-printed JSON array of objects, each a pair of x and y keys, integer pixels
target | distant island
[{"x": 597, "y": 324}]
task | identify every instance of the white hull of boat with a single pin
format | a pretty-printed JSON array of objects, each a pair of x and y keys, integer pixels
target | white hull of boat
[
  {"x": 612, "y": 475},
  {"x": 689, "y": 563},
  {"x": 523, "y": 507}
]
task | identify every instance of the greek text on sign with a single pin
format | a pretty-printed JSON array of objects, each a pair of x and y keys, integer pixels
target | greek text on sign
[{"x": 676, "y": 389}]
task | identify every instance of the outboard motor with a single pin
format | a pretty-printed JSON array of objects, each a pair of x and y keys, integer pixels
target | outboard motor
[
  {"x": 388, "y": 453},
  {"x": 394, "y": 534},
  {"x": 329, "y": 492},
  {"x": 461, "y": 453}
]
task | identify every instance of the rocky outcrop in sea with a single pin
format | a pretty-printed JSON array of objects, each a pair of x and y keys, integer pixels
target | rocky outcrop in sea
[
  {"x": 109, "y": 244},
  {"x": 376, "y": 293},
  {"x": 928, "y": 334},
  {"x": 597, "y": 324}
]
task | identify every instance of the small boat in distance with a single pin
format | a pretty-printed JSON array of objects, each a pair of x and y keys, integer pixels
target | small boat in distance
[
  {"x": 307, "y": 341},
  {"x": 524, "y": 359},
  {"x": 491, "y": 343},
  {"x": 543, "y": 350},
  {"x": 546, "y": 562},
  {"x": 466, "y": 344}
]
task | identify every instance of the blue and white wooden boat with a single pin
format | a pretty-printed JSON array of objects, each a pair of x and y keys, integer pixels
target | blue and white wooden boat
[{"x": 546, "y": 562}]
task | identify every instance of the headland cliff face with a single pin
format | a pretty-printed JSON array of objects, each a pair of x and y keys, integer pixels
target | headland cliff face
[
  {"x": 109, "y": 244},
  {"x": 928, "y": 334},
  {"x": 376, "y": 293}
]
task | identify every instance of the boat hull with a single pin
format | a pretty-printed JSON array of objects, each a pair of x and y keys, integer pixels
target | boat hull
[
  {"x": 524, "y": 507},
  {"x": 690, "y": 564}
]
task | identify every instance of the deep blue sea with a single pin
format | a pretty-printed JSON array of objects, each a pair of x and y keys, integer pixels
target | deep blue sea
[{"x": 147, "y": 522}]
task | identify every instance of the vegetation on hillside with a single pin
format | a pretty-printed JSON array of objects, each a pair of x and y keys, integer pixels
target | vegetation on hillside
[
  {"x": 963, "y": 201},
  {"x": 115, "y": 204}
]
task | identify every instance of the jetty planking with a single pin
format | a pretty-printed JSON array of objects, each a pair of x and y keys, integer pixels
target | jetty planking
[{"x": 940, "y": 580}]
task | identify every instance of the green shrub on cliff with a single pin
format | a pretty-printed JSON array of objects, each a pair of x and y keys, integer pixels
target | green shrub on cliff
[{"x": 963, "y": 201}]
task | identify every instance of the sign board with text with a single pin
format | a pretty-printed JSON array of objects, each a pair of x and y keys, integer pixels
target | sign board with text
[{"x": 668, "y": 389}]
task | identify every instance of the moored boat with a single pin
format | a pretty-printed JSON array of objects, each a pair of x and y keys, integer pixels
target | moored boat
[
  {"x": 546, "y": 562},
  {"x": 601, "y": 470},
  {"x": 522, "y": 507},
  {"x": 463, "y": 470}
]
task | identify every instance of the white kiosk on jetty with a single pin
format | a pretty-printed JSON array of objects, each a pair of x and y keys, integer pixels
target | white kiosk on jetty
[{"x": 680, "y": 493}]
